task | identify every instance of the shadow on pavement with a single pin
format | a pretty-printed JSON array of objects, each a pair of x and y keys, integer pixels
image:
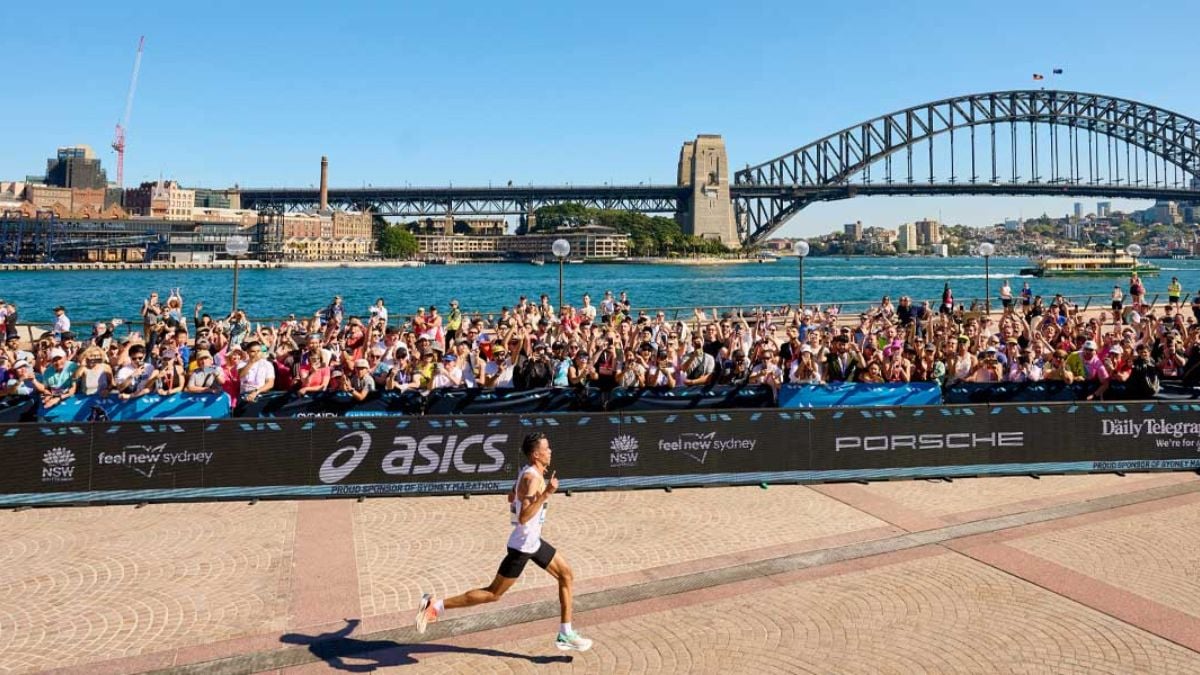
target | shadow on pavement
[{"x": 333, "y": 648}]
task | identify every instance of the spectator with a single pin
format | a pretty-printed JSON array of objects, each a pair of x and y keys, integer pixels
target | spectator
[
  {"x": 359, "y": 384},
  {"x": 206, "y": 378},
  {"x": 136, "y": 378},
  {"x": 256, "y": 376},
  {"x": 844, "y": 361}
]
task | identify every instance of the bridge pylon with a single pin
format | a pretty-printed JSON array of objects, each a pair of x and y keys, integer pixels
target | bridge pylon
[{"x": 708, "y": 213}]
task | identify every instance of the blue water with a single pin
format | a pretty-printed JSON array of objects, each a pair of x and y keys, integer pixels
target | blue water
[{"x": 90, "y": 295}]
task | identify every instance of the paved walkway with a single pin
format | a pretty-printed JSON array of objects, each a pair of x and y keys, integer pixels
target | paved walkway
[{"x": 1062, "y": 574}]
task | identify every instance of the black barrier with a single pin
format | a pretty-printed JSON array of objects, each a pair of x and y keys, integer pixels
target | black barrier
[
  {"x": 689, "y": 398},
  {"x": 15, "y": 409},
  {"x": 320, "y": 457}
]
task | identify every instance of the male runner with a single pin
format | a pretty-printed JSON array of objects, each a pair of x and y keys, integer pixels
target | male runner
[{"x": 527, "y": 502}]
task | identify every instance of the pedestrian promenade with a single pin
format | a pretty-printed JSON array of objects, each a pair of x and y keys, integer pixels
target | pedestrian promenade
[{"x": 1058, "y": 574}]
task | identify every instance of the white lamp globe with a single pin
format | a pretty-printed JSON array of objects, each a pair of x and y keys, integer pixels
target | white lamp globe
[
  {"x": 561, "y": 248},
  {"x": 1133, "y": 250},
  {"x": 987, "y": 248},
  {"x": 237, "y": 245},
  {"x": 801, "y": 248}
]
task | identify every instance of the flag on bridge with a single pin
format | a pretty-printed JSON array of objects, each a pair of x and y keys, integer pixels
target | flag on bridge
[
  {"x": 1038, "y": 76},
  {"x": 1057, "y": 71}
]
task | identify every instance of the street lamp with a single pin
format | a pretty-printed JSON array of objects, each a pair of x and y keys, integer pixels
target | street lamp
[
  {"x": 986, "y": 249},
  {"x": 561, "y": 249},
  {"x": 801, "y": 248},
  {"x": 236, "y": 246}
]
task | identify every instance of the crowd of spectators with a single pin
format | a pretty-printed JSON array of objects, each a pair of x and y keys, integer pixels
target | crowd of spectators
[{"x": 609, "y": 344}]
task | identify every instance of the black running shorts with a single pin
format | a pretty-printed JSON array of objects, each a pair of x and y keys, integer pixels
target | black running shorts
[{"x": 514, "y": 563}]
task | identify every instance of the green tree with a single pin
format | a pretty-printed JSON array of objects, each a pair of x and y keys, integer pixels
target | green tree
[{"x": 397, "y": 242}]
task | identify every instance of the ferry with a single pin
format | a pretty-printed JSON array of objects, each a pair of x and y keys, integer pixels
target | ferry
[
  {"x": 1079, "y": 262},
  {"x": 537, "y": 261}
]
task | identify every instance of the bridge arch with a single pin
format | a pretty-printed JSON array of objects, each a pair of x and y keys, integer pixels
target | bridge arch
[{"x": 770, "y": 193}]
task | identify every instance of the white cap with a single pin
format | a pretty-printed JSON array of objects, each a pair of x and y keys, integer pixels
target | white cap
[
  {"x": 1090, "y": 344},
  {"x": 1116, "y": 349},
  {"x": 20, "y": 364},
  {"x": 56, "y": 353}
]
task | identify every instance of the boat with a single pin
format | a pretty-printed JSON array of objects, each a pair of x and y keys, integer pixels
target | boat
[
  {"x": 1078, "y": 262},
  {"x": 575, "y": 261},
  {"x": 537, "y": 261}
]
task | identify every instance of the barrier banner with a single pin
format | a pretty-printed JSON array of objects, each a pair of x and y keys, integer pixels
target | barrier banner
[
  {"x": 715, "y": 442},
  {"x": 182, "y": 460},
  {"x": 45, "y": 458},
  {"x": 961, "y": 393},
  {"x": 148, "y": 407},
  {"x": 255, "y": 452},
  {"x": 488, "y": 401},
  {"x": 14, "y": 409},
  {"x": 859, "y": 395},
  {"x": 430, "y": 455},
  {"x": 162, "y": 454},
  {"x": 900, "y": 439},
  {"x": 687, "y": 398}
]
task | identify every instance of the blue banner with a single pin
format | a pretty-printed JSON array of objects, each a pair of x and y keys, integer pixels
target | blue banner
[
  {"x": 859, "y": 395},
  {"x": 148, "y": 407}
]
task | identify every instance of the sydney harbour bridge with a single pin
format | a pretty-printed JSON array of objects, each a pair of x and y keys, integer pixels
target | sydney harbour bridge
[{"x": 1029, "y": 142}]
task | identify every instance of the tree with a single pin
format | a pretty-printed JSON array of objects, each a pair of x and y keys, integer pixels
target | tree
[{"x": 397, "y": 242}]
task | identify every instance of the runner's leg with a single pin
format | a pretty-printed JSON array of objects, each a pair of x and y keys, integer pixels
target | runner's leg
[
  {"x": 491, "y": 593},
  {"x": 560, "y": 570}
]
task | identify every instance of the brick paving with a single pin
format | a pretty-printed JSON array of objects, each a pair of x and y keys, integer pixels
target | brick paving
[
  {"x": 953, "y": 616},
  {"x": 1065, "y": 574}
]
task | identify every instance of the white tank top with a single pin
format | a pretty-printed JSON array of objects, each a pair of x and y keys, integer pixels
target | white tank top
[{"x": 525, "y": 537}]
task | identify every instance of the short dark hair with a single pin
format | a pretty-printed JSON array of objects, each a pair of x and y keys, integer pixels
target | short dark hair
[{"x": 531, "y": 441}]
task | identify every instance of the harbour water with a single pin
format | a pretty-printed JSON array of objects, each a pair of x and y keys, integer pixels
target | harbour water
[{"x": 90, "y": 295}]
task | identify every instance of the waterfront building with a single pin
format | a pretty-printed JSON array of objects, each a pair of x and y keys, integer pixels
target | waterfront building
[
  {"x": 1167, "y": 213},
  {"x": 1012, "y": 225},
  {"x": 164, "y": 199},
  {"x": 1103, "y": 209},
  {"x": 75, "y": 166},
  {"x": 589, "y": 241},
  {"x": 854, "y": 230},
  {"x": 49, "y": 197},
  {"x": 324, "y": 236},
  {"x": 929, "y": 232},
  {"x": 1078, "y": 211},
  {"x": 207, "y": 198},
  {"x": 907, "y": 238}
]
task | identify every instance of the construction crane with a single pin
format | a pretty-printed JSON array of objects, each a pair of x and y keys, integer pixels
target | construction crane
[{"x": 118, "y": 143}]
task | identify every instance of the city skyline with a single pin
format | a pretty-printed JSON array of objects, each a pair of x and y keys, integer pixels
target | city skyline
[{"x": 546, "y": 96}]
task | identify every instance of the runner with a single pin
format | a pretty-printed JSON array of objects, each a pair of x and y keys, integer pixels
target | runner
[{"x": 527, "y": 502}]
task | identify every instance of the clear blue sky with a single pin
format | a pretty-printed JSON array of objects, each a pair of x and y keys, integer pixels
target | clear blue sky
[{"x": 547, "y": 92}]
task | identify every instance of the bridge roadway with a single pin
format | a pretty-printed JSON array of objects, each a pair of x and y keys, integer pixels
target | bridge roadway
[
  {"x": 471, "y": 201},
  {"x": 1079, "y": 574},
  {"x": 521, "y": 200}
]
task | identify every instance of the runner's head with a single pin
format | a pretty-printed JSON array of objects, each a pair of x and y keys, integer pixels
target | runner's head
[{"x": 536, "y": 447}]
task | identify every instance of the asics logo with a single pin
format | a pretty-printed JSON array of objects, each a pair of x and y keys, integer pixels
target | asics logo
[{"x": 411, "y": 456}]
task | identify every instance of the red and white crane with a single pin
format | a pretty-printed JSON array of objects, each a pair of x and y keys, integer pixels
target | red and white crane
[{"x": 118, "y": 143}]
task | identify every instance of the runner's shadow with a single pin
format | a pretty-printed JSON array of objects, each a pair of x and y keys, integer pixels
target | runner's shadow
[{"x": 333, "y": 648}]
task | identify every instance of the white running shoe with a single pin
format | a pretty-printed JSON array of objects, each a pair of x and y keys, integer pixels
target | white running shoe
[
  {"x": 425, "y": 612},
  {"x": 573, "y": 641}
]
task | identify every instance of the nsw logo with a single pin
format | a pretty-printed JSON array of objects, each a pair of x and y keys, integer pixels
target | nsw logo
[
  {"x": 59, "y": 466},
  {"x": 624, "y": 451}
]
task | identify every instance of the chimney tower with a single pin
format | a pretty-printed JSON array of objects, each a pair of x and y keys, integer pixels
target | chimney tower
[{"x": 324, "y": 183}]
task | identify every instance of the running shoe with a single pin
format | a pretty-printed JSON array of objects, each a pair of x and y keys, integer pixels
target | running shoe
[
  {"x": 572, "y": 641},
  {"x": 425, "y": 612}
]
